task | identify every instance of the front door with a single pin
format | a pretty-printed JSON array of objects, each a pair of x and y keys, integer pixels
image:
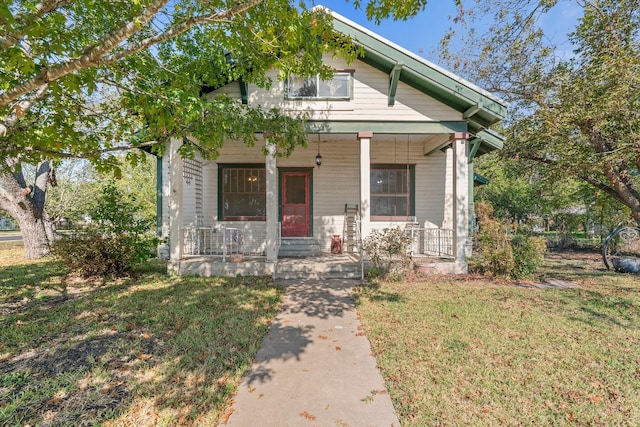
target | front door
[{"x": 296, "y": 203}]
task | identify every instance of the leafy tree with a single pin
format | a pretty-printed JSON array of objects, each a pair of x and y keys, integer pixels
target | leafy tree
[
  {"x": 521, "y": 193},
  {"x": 119, "y": 238},
  {"x": 87, "y": 78},
  {"x": 574, "y": 118},
  {"x": 80, "y": 186}
]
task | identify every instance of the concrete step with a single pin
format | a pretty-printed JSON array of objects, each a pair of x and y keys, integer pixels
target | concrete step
[
  {"x": 327, "y": 267},
  {"x": 298, "y": 247}
]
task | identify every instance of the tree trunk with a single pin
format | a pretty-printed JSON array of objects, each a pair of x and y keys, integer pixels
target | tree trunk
[
  {"x": 26, "y": 204},
  {"x": 34, "y": 236}
]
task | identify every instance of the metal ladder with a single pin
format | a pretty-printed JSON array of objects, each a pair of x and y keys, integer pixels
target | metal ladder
[{"x": 350, "y": 232}]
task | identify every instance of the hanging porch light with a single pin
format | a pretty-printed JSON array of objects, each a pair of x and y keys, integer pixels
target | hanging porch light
[{"x": 318, "y": 156}]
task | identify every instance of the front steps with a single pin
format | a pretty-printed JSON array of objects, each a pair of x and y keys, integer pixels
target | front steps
[
  {"x": 325, "y": 266},
  {"x": 298, "y": 247}
]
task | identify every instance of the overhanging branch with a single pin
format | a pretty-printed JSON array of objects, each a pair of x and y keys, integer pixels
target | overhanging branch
[{"x": 98, "y": 54}]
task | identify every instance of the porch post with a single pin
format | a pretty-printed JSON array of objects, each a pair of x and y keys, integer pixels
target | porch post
[
  {"x": 365, "y": 182},
  {"x": 460, "y": 195},
  {"x": 175, "y": 203},
  {"x": 271, "y": 250}
]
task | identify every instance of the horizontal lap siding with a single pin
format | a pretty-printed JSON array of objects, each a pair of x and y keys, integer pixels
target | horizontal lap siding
[
  {"x": 336, "y": 183},
  {"x": 370, "y": 100}
]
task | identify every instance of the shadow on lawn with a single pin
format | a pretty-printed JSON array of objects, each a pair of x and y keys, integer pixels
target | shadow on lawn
[
  {"x": 374, "y": 292},
  {"x": 602, "y": 309},
  {"x": 180, "y": 344}
]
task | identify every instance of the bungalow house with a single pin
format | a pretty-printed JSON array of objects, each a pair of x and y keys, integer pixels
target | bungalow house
[{"x": 391, "y": 143}]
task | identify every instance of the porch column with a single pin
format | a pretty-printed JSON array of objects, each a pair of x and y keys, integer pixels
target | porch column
[
  {"x": 460, "y": 195},
  {"x": 271, "y": 250},
  {"x": 175, "y": 203},
  {"x": 365, "y": 182}
]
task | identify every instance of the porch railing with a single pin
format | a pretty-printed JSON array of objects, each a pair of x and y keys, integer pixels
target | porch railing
[
  {"x": 431, "y": 242},
  {"x": 223, "y": 241}
]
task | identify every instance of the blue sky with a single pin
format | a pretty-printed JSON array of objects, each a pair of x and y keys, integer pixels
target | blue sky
[{"x": 422, "y": 34}]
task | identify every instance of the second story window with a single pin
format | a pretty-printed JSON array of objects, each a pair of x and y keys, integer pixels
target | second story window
[{"x": 338, "y": 87}]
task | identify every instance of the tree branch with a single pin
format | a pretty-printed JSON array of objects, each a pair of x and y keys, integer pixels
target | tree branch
[
  {"x": 97, "y": 54},
  {"x": 179, "y": 29},
  {"x": 20, "y": 108},
  {"x": 41, "y": 9},
  {"x": 92, "y": 55},
  {"x": 66, "y": 155}
]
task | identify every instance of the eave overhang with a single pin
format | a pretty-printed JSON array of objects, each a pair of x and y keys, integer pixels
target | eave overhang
[{"x": 478, "y": 107}]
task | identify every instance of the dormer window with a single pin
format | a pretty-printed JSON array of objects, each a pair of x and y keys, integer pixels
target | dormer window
[{"x": 337, "y": 88}]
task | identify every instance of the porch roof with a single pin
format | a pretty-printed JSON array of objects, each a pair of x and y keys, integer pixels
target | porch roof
[{"x": 479, "y": 108}]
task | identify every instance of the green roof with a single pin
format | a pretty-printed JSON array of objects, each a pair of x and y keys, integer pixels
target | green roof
[{"x": 479, "y": 108}]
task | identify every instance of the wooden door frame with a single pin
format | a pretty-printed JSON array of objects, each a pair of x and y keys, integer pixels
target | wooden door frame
[{"x": 280, "y": 195}]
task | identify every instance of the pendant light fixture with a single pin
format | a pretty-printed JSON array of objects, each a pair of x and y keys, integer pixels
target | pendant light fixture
[{"x": 318, "y": 156}]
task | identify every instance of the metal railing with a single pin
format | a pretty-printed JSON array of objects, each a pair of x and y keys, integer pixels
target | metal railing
[
  {"x": 431, "y": 242},
  {"x": 223, "y": 241},
  {"x": 360, "y": 246}
]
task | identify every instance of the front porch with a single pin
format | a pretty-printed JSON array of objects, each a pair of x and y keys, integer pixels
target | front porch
[
  {"x": 244, "y": 212},
  {"x": 217, "y": 250}
]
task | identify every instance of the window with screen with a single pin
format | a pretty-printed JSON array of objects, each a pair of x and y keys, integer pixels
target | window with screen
[
  {"x": 242, "y": 192},
  {"x": 338, "y": 87},
  {"x": 391, "y": 190}
]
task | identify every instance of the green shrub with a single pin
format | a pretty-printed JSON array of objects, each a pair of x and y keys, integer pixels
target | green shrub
[
  {"x": 501, "y": 253},
  {"x": 528, "y": 254},
  {"x": 388, "y": 250},
  {"x": 119, "y": 238}
]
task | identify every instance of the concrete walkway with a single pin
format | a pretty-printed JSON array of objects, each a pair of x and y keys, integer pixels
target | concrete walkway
[{"x": 315, "y": 366}]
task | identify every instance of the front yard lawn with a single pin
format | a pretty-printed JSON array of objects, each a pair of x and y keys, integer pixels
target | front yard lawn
[
  {"x": 151, "y": 350},
  {"x": 477, "y": 351}
]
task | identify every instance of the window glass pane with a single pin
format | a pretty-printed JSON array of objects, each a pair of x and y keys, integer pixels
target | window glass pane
[
  {"x": 295, "y": 190},
  {"x": 244, "y": 205},
  {"x": 401, "y": 182},
  {"x": 243, "y": 192},
  {"x": 302, "y": 87},
  {"x": 377, "y": 181},
  {"x": 337, "y": 87},
  {"x": 390, "y": 192}
]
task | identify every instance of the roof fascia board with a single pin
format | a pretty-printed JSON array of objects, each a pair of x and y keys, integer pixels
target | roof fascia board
[
  {"x": 490, "y": 140},
  {"x": 391, "y": 53}
]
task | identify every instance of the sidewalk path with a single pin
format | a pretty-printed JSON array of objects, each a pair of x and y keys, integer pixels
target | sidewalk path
[{"x": 315, "y": 366}]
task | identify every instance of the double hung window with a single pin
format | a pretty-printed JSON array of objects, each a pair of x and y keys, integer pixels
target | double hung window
[{"x": 391, "y": 189}]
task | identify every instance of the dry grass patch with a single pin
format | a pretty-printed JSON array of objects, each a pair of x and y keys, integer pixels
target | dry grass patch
[
  {"x": 472, "y": 351},
  {"x": 143, "y": 351}
]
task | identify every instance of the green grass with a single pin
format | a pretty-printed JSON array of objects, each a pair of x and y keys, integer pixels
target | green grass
[
  {"x": 476, "y": 351},
  {"x": 151, "y": 350}
]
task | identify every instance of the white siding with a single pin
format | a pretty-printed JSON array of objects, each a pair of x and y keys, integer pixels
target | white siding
[{"x": 370, "y": 100}]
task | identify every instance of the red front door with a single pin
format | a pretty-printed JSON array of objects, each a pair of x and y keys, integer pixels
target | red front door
[{"x": 296, "y": 204}]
